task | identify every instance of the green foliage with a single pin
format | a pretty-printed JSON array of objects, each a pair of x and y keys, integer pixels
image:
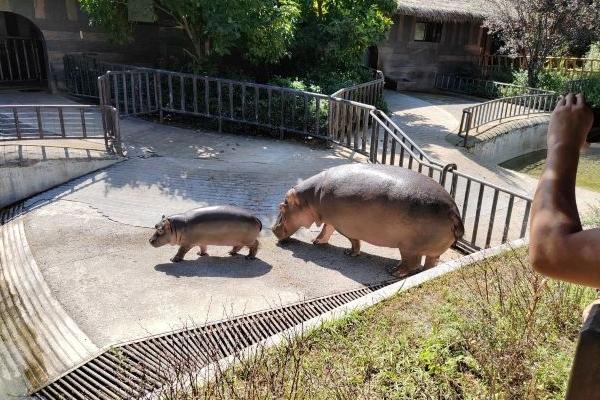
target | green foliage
[
  {"x": 111, "y": 16},
  {"x": 334, "y": 34},
  {"x": 594, "y": 51},
  {"x": 530, "y": 27}
]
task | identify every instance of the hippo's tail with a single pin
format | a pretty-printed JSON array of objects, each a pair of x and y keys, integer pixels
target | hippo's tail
[{"x": 458, "y": 229}]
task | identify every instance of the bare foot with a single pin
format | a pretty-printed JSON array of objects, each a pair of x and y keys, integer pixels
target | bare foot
[{"x": 403, "y": 271}]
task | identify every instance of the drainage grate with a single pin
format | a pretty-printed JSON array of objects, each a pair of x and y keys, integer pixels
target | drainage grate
[{"x": 133, "y": 369}]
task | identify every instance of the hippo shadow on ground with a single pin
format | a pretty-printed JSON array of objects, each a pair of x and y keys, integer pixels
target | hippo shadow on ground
[
  {"x": 366, "y": 268},
  {"x": 222, "y": 267}
]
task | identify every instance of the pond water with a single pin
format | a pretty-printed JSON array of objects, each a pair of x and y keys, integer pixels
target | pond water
[{"x": 588, "y": 173}]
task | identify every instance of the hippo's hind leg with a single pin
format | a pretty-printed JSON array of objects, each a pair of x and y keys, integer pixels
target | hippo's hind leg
[
  {"x": 180, "y": 253},
  {"x": 431, "y": 261},
  {"x": 202, "y": 251},
  {"x": 253, "y": 250},
  {"x": 323, "y": 237},
  {"x": 234, "y": 251},
  {"x": 355, "y": 250},
  {"x": 410, "y": 264}
]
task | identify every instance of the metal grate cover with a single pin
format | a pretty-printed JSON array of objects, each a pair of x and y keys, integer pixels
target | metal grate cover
[{"x": 133, "y": 369}]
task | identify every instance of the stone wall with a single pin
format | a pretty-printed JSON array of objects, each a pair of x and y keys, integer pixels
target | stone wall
[
  {"x": 413, "y": 64},
  {"x": 65, "y": 29}
]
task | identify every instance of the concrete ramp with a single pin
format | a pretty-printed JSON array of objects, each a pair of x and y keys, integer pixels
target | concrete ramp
[{"x": 38, "y": 340}]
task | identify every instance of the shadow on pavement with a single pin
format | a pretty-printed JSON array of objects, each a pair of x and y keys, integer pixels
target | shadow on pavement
[
  {"x": 366, "y": 268},
  {"x": 223, "y": 267}
]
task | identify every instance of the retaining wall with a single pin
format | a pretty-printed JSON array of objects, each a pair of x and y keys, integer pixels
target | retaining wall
[
  {"x": 512, "y": 139},
  {"x": 19, "y": 181}
]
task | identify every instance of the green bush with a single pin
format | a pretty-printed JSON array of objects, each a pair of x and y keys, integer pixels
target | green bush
[{"x": 594, "y": 51}]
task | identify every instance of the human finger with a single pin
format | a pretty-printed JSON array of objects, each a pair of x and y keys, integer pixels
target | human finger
[
  {"x": 570, "y": 99},
  {"x": 580, "y": 99}
]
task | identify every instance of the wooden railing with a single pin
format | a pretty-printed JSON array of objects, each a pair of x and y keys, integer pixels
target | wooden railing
[
  {"x": 489, "y": 212},
  {"x": 501, "y": 109},
  {"x": 21, "y": 59},
  {"x": 481, "y": 87},
  {"x": 47, "y": 122},
  {"x": 568, "y": 65}
]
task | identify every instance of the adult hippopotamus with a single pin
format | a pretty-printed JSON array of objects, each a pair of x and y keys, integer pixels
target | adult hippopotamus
[
  {"x": 383, "y": 205},
  {"x": 216, "y": 225}
]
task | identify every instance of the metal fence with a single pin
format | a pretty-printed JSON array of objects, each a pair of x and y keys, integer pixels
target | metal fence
[
  {"x": 280, "y": 109},
  {"x": 82, "y": 72},
  {"x": 21, "y": 59},
  {"x": 31, "y": 122},
  {"x": 368, "y": 93},
  {"x": 492, "y": 215},
  {"x": 501, "y": 109},
  {"x": 481, "y": 87}
]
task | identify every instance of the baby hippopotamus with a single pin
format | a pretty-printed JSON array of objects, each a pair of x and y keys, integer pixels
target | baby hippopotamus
[
  {"x": 215, "y": 225},
  {"x": 383, "y": 205}
]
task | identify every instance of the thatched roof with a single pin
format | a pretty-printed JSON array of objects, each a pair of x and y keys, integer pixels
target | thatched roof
[{"x": 445, "y": 10}]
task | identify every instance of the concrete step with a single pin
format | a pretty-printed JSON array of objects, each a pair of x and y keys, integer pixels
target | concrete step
[{"x": 38, "y": 340}]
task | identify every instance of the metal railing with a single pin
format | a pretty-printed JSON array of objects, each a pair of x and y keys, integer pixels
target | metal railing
[
  {"x": 47, "y": 122},
  {"x": 21, "y": 59},
  {"x": 82, "y": 72},
  {"x": 144, "y": 91},
  {"x": 481, "y": 87},
  {"x": 368, "y": 93},
  {"x": 501, "y": 109},
  {"x": 492, "y": 215}
]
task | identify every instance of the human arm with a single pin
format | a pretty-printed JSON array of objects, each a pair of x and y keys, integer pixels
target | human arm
[{"x": 558, "y": 246}]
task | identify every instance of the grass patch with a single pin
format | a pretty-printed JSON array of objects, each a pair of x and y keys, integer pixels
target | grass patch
[
  {"x": 494, "y": 329},
  {"x": 533, "y": 164}
]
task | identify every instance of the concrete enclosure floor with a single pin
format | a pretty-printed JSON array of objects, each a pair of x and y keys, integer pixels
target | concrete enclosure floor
[{"x": 91, "y": 239}]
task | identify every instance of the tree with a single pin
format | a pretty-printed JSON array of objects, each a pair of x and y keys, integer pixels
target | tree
[
  {"x": 263, "y": 28},
  {"x": 334, "y": 34},
  {"x": 540, "y": 28}
]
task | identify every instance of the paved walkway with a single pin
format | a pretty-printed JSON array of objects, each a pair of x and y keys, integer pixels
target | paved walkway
[{"x": 429, "y": 119}]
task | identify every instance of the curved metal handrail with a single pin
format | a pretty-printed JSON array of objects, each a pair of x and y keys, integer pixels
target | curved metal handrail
[{"x": 487, "y": 112}]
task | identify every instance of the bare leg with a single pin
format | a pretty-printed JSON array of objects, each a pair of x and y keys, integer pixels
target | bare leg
[
  {"x": 235, "y": 250},
  {"x": 355, "y": 250},
  {"x": 323, "y": 237},
  {"x": 253, "y": 250},
  {"x": 410, "y": 264},
  {"x": 202, "y": 251},
  {"x": 180, "y": 253},
  {"x": 431, "y": 261}
]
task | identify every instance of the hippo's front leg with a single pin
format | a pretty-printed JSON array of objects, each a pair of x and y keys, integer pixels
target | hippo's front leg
[
  {"x": 180, "y": 253},
  {"x": 323, "y": 237},
  {"x": 355, "y": 250}
]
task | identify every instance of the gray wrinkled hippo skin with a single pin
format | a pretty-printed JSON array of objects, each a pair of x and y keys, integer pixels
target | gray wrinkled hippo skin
[
  {"x": 216, "y": 225},
  {"x": 383, "y": 205}
]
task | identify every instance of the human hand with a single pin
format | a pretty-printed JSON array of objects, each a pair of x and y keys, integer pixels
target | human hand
[{"x": 570, "y": 123}]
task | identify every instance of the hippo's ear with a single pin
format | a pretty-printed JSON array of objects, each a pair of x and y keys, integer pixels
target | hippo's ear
[
  {"x": 167, "y": 225},
  {"x": 292, "y": 198},
  {"x": 163, "y": 217}
]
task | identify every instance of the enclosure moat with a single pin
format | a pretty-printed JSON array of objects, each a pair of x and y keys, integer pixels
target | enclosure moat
[{"x": 588, "y": 172}]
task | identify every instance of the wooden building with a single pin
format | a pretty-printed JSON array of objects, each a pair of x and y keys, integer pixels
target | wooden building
[
  {"x": 36, "y": 34},
  {"x": 428, "y": 37}
]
